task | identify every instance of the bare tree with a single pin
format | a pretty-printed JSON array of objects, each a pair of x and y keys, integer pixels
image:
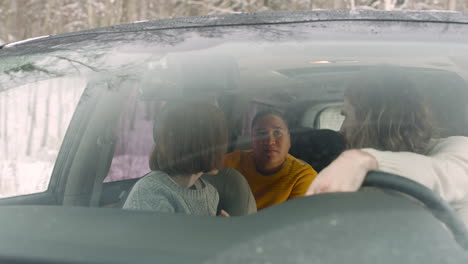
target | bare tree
[
  {"x": 452, "y": 5},
  {"x": 60, "y": 110},
  {"x": 5, "y": 125},
  {"x": 45, "y": 134},
  {"x": 388, "y": 4},
  {"x": 22, "y": 20},
  {"x": 89, "y": 7},
  {"x": 32, "y": 124},
  {"x": 338, "y": 4},
  {"x": 11, "y": 21}
]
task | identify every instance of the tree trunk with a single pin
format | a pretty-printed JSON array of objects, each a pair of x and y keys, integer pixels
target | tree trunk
[
  {"x": 109, "y": 13},
  {"x": 452, "y": 5},
  {"x": 32, "y": 125},
  {"x": 384, "y": 4},
  {"x": 124, "y": 12},
  {"x": 6, "y": 26},
  {"x": 5, "y": 124},
  {"x": 27, "y": 21},
  {"x": 143, "y": 10},
  {"x": 338, "y": 4},
  {"x": 131, "y": 11},
  {"x": 60, "y": 110},
  {"x": 90, "y": 13},
  {"x": 2, "y": 106},
  {"x": 13, "y": 21},
  {"x": 45, "y": 135},
  {"x": 58, "y": 20}
]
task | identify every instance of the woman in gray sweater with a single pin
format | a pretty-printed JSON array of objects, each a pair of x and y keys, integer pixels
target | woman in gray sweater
[{"x": 191, "y": 141}]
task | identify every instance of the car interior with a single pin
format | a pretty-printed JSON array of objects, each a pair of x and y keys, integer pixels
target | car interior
[
  {"x": 132, "y": 136},
  {"x": 110, "y": 137}
]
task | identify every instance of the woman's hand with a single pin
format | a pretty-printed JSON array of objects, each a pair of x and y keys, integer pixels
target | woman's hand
[
  {"x": 224, "y": 213},
  {"x": 345, "y": 174}
]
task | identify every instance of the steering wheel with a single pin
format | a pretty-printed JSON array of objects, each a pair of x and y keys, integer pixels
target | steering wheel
[{"x": 438, "y": 207}]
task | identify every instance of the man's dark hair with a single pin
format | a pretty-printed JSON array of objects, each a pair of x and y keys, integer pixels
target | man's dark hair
[
  {"x": 191, "y": 138},
  {"x": 268, "y": 112}
]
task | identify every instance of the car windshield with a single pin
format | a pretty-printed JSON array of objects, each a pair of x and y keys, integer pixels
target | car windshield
[
  {"x": 78, "y": 114},
  {"x": 322, "y": 123}
]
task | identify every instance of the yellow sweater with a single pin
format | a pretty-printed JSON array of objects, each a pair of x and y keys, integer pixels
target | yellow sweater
[{"x": 291, "y": 181}]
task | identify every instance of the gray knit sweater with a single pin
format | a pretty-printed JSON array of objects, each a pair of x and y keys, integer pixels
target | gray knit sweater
[{"x": 158, "y": 192}]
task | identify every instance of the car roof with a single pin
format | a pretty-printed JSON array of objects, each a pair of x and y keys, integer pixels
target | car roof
[
  {"x": 258, "y": 18},
  {"x": 85, "y": 46}
]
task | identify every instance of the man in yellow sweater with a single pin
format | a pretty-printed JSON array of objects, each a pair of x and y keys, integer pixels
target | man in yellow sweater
[{"x": 273, "y": 175}]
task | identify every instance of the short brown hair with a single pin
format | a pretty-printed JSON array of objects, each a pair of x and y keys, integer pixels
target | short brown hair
[
  {"x": 390, "y": 112},
  {"x": 191, "y": 138}
]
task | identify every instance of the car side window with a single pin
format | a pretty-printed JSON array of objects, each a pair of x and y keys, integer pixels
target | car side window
[{"x": 33, "y": 122}]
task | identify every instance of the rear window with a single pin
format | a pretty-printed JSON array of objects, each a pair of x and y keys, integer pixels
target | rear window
[{"x": 330, "y": 118}]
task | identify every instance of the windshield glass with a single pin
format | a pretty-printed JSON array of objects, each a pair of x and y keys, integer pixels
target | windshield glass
[{"x": 81, "y": 119}]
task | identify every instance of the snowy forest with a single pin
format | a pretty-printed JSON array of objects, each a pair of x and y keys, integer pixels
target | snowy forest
[{"x": 22, "y": 19}]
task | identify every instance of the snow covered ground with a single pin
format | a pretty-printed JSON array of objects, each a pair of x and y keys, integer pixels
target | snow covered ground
[{"x": 24, "y": 176}]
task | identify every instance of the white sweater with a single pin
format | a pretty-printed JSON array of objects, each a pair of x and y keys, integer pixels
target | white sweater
[{"x": 444, "y": 169}]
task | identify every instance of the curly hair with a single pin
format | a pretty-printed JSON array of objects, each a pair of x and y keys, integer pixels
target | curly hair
[{"x": 390, "y": 113}]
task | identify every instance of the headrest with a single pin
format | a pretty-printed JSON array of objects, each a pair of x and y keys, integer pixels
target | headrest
[{"x": 317, "y": 147}]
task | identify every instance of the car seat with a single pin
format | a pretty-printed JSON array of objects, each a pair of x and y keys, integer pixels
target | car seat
[{"x": 317, "y": 147}]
